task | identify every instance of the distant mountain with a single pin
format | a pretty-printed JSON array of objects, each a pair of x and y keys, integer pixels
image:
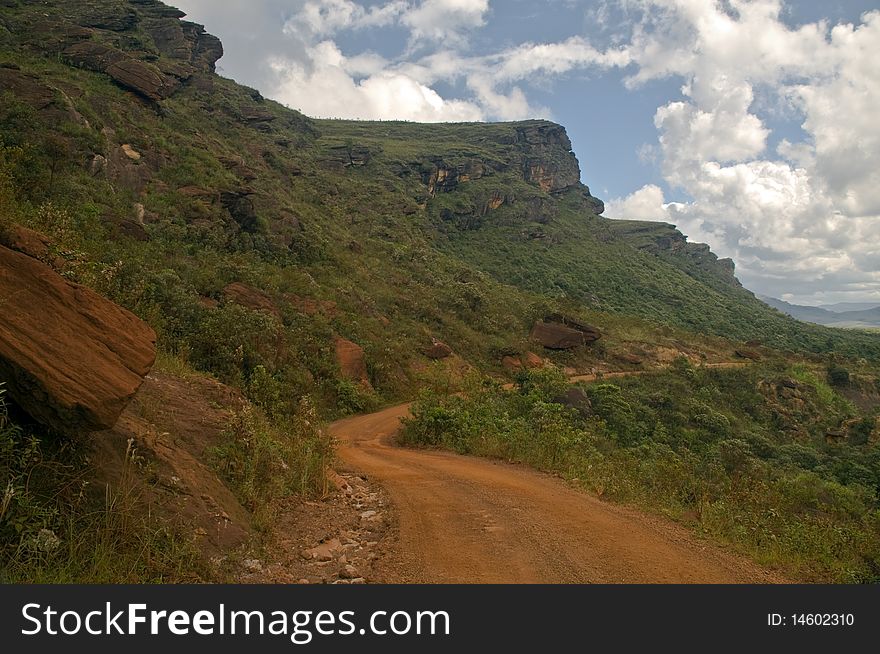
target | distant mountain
[
  {"x": 841, "y": 307},
  {"x": 861, "y": 315},
  {"x": 816, "y": 315}
]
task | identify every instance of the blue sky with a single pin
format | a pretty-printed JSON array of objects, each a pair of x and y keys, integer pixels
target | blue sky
[{"x": 748, "y": 123}]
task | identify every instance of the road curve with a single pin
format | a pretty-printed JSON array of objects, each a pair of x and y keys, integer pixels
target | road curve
[{"x": 471, "y": 520}]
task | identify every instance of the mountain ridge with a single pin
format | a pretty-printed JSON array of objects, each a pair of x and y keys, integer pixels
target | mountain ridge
[{"x": 820, "y": 315}]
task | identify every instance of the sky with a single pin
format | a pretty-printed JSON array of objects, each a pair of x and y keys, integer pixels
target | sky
[{"x": 752, "y": 125}]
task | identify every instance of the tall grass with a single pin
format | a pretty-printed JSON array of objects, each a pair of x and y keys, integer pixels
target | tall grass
[
  {"x": 57, "y": 527},
  {"x": 265, "y": 461}
]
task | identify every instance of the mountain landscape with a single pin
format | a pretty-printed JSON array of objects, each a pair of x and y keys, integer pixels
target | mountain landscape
[
  {"x": 195, "y": 281},
  {"x": 852, "y": 315}
]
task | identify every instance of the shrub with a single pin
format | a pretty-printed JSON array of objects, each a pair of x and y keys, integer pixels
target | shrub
[
  {"x": 265, "y": 463},
  {"x": 838, "y": 375}
]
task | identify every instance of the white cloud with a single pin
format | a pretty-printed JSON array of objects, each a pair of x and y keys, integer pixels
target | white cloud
[
  {"x": 326, "y": 88},
  {"x": 806, "y": 220},
  {"x": 444, "y": 20},
  {"x": 326, "y": 17},
  {"x": 324, "y": 82},
  {"x": 645, "y": 204},
  {"x": 530, "y": 59}
]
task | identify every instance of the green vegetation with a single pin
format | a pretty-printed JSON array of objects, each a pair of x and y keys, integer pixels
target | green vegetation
[
  {"x": 740, "y": 455},
  {"x": 391, "y": 234},
  {"x": 264, "y": 464},
  {"x": 59, "y": 525}
]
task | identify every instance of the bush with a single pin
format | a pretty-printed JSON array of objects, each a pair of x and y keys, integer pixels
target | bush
[
  {"x": 265, "y": 463},
  {"x": 838, "y": 375}
]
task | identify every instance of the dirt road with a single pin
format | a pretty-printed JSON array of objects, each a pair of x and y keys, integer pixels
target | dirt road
[{"x": 471, "y": 520}]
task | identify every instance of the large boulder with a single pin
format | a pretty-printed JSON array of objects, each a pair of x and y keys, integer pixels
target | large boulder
[
  {"x": 577, "y": 399},
  {"x": 69, "y": 358},
  {"x": 352, "y": 361},
  {"x": 557, "y": 332},
  {"x": 138, "y": 76},
  {"x": 592, "y": 333},
  {"x": 438, "y": 350}
]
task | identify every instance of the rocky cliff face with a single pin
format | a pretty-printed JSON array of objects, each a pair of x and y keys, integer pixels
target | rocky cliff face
[
  {"x": 663, "y": 239},
  {"x": 142, "y": 44},
  {"x": 540, "y": 151}
]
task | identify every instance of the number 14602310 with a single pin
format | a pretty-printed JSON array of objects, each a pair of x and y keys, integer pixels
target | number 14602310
[{"x": 811, "y": 620}]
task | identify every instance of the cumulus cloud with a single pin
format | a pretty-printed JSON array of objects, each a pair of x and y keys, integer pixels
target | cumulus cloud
[
  {"x": 322, "y": 81},
  {"x": 444, "y": 20},
  {"x": 324, "y": 17},
  {"x": 803, "y": 221},
  {"x": 326, "y": 87}
]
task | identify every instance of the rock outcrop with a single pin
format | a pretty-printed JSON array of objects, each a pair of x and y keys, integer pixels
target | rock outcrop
[
  {"x": 69, "y": 358},
  {"x": 665, "y": 240},
  {"x": 577, "y": 399},
  {"x": 241, "y": 207},
  {"x": 549, "y": 161},
  {"x": 438, "y": 350},
  {"x": 558, "y": 332},
  {"x": 142, "y": 44},
  {"x": 352, "y": 361},
  {"x": 250, "y": 298},
  {"x": 143, "y": 78}
]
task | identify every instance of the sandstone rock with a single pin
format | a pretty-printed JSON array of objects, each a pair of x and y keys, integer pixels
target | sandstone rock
[
  {"x": 348, "y": 572},
  {"x": 198, "y": 192},
  {"x": 252, "y": 565},
  {"x": 591, "y": 332},
  {"x": 133, "y": 74},
  {"x": 27, "y": 241},
  {"x": 630, "y": 358},
  {"x": 438, "y": 350},
  {"x": 130, "y": 152},
  {"x": 127, "y": 173},
  {"x": 326, "y": 551},
  {"x": 70, "y": 358},
  {"x": 345, "y": 156},
  {"x": 240, "y": 206},
  {"x": 312, "y": 307},
  {"x": 559, "y": 336},
  {"x": 27, "y": 88},
  {"x": 752, "y": 355},
  {"x": 142, "y": 78},
  {"x": 532, "y": 360},
  {"x": 250, "y": 298},
  {"x": 125, "y": 227},
  {"x": 352, "y": 361},
  {"x": 115, "y": 19},
  {"x": 97, "y": 165},
  {"x": 511, "y": 363}
]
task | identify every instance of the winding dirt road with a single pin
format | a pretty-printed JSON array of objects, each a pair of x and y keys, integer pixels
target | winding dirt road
[{"x": 471, "y": 520}]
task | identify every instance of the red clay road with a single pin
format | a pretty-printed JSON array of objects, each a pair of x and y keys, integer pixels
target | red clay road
[{"x": 470, "y": 520}]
